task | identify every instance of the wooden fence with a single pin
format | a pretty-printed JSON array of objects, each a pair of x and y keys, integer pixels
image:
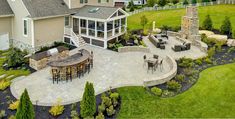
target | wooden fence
[{"x": 180, "y": 6}]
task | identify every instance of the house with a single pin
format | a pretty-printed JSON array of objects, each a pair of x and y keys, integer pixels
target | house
[{"x": 32, "y": 24}]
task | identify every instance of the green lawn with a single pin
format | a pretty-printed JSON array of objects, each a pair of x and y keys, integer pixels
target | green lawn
[
  {"x": 173, "y": 17},
  {"x": 212, "y": 96}
]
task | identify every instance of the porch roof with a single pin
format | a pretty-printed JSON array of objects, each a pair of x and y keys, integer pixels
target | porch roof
[{"x": 97, "y": 12}]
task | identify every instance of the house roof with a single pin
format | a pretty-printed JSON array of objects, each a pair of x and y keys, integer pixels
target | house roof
[
  {"x": 99, "y": 12},
  {"x": 47, "y": 8},
  {"x": 5, "y": 9}
]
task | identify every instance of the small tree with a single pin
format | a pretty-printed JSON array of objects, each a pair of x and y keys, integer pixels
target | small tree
[
  {"x": 207, "y": 23},
  {"x": 25, "y": 109},
  {"x": 151, "y": 3},
  {"x": 226, "y": 27},
  {"x": 233, "y": 33},
  {"x": 185, "y": 2},
  {"x": 88, "y": 103},
  {"x": 194, "y": 1},
  {"x": 175, "y": 1},
  {"x": 205, "y": 0},
  {"x": 162, "y": 3},
  {"x": 143, "y": 20}
]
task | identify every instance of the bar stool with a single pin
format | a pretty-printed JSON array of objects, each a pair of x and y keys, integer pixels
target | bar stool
[{"x": 68, "y": 74}]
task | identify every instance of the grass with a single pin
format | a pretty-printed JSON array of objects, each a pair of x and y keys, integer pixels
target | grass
[
  {"x": 16, "y": 73},
  {"x": 173, "y": 17},
  {"x": 212, "y": 96}
]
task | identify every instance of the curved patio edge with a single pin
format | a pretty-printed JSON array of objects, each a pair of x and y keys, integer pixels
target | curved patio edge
[
  {"x": 133, "y": 49},
  {"x": 166, "y": 77},
  {"x": 38, "y": 103}
]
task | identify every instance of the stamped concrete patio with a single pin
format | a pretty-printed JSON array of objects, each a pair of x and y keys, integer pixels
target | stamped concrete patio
[{"x": 111, "y": 69}]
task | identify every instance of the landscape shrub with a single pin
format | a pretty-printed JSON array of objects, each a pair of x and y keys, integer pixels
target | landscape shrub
[
  {"x": 14, "y": 105},
  {"x": 114, "y": 96},
  {"x": 100, "y": 116},
  {"x": 189, "y": 71},
  {"x": 157, "y": 91},
  {"x": 185, "y": 2},
  {"x": 198, "y": 61},
  {"x": 231, "y": 50},
  {"x": 110, "y": 111},
  {"x": 15, "y": 57},
  {"x": 233, "y": 34},
  {"x": 194, "y": 1},
  {"x": 2, "y": 114},
  {"x": 211, "y": 52},
  {"x": 74, "y": 114},
  {"x": 107, "y": 101},
  {"x": 167, "y": 93},
  {"x": 185, "y": 62},
  {"x": 207, "y": 23},
  {"x": 25, "y": 109},
  {"x": 208, "y": 60},
  {"x": 88, "y": 103},
  {"x": 173, "y": 85},
  {"x": 101, "y": 108},
  {"x": 226, "y": 27},
  {"x": 12, "y": 117},
  {"x": 4, "y": 84},
  {"x": 180, "y": 77},
  {"x": 57, "y": 109}
]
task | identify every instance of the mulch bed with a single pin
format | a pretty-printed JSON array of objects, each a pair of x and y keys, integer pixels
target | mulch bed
[
  {"x": 219, "y": 58},
  {"x": 42, "y": 112}
]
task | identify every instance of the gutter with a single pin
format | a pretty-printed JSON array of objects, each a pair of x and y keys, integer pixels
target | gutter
[{"x": 11, "y": 15}]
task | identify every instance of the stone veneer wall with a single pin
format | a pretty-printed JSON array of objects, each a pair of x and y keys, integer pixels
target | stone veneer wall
[
  {"x": 21, "y": 45},
  {"x": 163, "y": 78},
  {"x": 133, "y": 49}
]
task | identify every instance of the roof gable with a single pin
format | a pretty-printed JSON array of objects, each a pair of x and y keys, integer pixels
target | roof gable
[
  {"x": 5, "y": 9},
  {"x": 46, "y": 8}
]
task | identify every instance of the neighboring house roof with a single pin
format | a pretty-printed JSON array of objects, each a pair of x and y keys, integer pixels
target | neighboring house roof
[
  {"x": 47, "y": 8},
  {"x": 5, "y": 9},
  {"x": 99, "y": 12}
]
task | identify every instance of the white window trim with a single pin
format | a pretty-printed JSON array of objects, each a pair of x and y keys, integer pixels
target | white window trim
[{"x": 27, "y": 23}]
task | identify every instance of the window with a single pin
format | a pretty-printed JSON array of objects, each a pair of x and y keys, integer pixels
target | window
[
  {"x": 66, "y": 20},
  {"x": 86, "y": 1},
  {"x": 103, "y": 1},
  {"x": 83, "y": 23},
  {"x": 81, "y": 1},
  {"x": 25, "y": 23}
]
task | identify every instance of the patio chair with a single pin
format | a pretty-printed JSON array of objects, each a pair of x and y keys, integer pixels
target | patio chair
[
  {"x": 188, "y": 46},
  {"x": 162, "y": 46},
  {"x": 150, "y": 66},
  {"x": 155, "y": 56},
  {"x": 145, "y": 61},
  {"x": 176, "y": 48},
  {"x": 161, "y": 65}
]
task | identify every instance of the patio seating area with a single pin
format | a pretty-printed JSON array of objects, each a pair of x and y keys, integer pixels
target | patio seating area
[
  {"x": 72, "y": 67},
  {"x": 153, "y": 63}
]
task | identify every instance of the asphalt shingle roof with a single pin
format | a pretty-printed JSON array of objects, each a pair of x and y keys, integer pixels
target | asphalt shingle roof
[
  {"x": 5, "y": 9},
  {"x": 101, "y": 13},
  {"x": 47, "y": 8}
]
